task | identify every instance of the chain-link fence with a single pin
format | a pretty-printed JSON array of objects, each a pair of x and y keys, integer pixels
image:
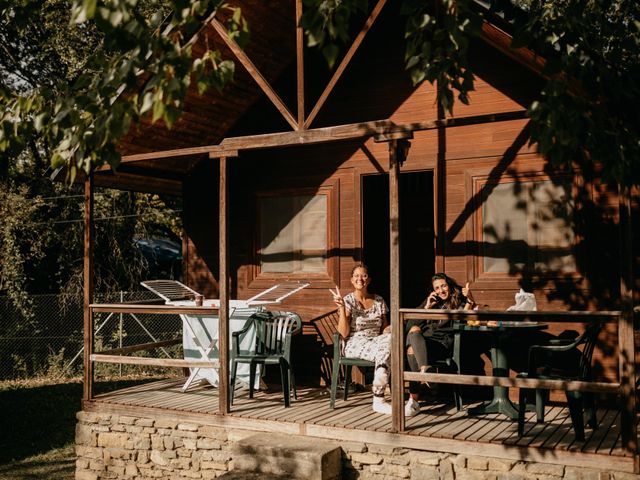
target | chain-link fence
[{"x": 49, "y": 341}]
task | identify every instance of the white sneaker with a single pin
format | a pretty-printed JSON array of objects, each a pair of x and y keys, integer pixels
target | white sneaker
[
  {"x": 381, "y": 406},
  {"x": 411, "y": 408}
]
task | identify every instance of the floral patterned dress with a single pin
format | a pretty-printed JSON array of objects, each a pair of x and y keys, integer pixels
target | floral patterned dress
[{"x": 365, "y": 340}]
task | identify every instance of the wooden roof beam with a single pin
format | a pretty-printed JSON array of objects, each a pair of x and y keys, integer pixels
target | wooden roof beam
[
  {"x": 230, "y": 146},
  {"x": 300, "y": 65},
  {"x": 255, "y": 74},
  {"x": 345, "y": 61}
]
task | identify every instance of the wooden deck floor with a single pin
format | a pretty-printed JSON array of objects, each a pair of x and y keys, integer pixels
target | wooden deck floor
[{"x": 439, "y": 427}]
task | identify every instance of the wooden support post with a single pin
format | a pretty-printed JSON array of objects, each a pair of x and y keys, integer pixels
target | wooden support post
[
  {"x": 626, "y": 338},
  {"x": 223, "y": 284},
  {"x": 396, "y": 156},
  {"x": 300, "y": 64},
  {"x": 87, "y": 393},
  {"x": 440, "y": 201}
]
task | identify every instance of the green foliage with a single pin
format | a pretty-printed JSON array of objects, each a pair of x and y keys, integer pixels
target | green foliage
[
  {"x": 143, "y": 66},
  {"x": 587, "y": 113}
]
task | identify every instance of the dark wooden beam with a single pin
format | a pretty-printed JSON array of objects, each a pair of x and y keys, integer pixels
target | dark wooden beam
[
  {"x": 255, "y": 74},
  {"x": 223, "y": 283},
  {"x": 87, "y": 277},
  {"x": 345, "y": 62},
  {"x": 300, "y": 65},
  {"x": 232, "y": 145},
  {"x": 626, "y": 337},
  {"x": 397, "y": 349},
  {"x": 501, "y": 41}
]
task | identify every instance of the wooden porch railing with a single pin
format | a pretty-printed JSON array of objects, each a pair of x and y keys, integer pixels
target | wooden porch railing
[
  {"x": 119, "y": 355},
  {"x": 625, "y": 354}
]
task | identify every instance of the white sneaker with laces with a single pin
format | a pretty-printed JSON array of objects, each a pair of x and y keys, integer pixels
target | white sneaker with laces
[{"x": 411, "y": 408}]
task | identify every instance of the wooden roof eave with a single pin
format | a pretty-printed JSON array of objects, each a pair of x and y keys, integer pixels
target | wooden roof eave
[{"x": 501, "y": 41}]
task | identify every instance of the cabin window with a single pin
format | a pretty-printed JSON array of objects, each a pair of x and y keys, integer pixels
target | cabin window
[
  {"x": 293, "y": 233},
  {"x": 527, "y": 226}
]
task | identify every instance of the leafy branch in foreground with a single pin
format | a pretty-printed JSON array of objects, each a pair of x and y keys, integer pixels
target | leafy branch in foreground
[
  {"x": 145, "y": 67},
  {"x": 586, "y": 115}
]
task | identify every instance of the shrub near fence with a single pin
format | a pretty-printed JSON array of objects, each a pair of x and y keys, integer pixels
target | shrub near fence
[{"x": 49, "y": 342}]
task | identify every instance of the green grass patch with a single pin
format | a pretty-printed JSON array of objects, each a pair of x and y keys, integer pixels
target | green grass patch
[{"x": 38, "y": 419}]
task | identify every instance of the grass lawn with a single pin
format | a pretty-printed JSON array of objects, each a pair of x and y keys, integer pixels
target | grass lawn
[{"x": 37, "y": 421}]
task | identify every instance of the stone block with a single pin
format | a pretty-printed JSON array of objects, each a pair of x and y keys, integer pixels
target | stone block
[
  {"x": 545, "y": 469},
  {"x": 131, "y": 470},
  {"x": 88, "y": 452},
  {"x": 366, "y": 458},
  {"x": 477, "y": 463},
  {"x": 145, "y": 422},
  {"x": 500, "y": 465},
  {"x": 280, "y": 454},
  {"x": 169, "y": 423},
  {"x": 84, "y": 435},
  {"x": 400, "y": 460},
  {"x": 158, "y": 457},
  {"x": 190, "y": 443},
  {"x": 445, "y": 469},
  {"x": 97, "y": 465},
  {"x": 385, "y": 449},
  {"x": 117, "y": 469},
  {"x": 208, "y": 465},
  {"x": 82, "y": 463},
  {"x": 356, "y": 447},
  {"x": 126, "y": 420},
  {"x": 157, "y": 442},
  {"x": 86, "y": 475},
  {"x": 395, "y": 471},
  {"x": 183, "y": 434},
  {"x": 182, "y": 463},
  {"x": 424, "y": 458},
  {"x": 219, "y": 433},
  {"x": 100, "y": 428},
  {"x": 118, "y": 428},
  {"x": 188, "y": 427},
  {"x": 184, "y": 452},
  {"x": 208, "y": 444},
  {"x": 135, "y": 429},
  {"x": 142, "y": 458},
  {"x": 142, "y": 442},
  {"x": 115, "y": 440},
  {"x": 460, "y": 462},
  {"x": 624, "y": 476}
]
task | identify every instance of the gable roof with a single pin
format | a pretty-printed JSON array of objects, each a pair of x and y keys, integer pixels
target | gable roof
[{"x": 207, "y": 119}]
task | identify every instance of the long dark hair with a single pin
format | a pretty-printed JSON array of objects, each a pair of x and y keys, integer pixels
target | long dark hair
[{"x": 456, "y": 299}]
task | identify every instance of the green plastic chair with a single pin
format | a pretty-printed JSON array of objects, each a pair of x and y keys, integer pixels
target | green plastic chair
[
  {"x": 544, "y": 364},
  {"x": 274, "y": 331},
  {"x": 349, "y": 363}
]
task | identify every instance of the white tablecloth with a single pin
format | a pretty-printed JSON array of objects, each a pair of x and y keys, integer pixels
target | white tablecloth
[{"x": 205, "y": 329}]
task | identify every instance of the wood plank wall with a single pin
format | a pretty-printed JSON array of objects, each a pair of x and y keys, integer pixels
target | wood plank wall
[{"x": 376, "y": 87}]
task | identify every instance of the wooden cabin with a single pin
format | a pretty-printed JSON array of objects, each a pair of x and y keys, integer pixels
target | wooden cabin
[{"x": 296, "y": 172}]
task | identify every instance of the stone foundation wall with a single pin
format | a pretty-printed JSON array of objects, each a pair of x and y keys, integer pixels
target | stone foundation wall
[{"x": 131, "y": 448}]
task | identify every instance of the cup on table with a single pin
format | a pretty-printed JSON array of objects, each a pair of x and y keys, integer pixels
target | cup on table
[{"x": 199, "y": 299}]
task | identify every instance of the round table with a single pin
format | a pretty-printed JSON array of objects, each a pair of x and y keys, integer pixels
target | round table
[{"x": 500, "y": 403}]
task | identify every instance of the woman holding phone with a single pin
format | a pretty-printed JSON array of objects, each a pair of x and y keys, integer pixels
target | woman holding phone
[
  {"x": 426, "y": 340},
  {"x": 363, "y": 324}
]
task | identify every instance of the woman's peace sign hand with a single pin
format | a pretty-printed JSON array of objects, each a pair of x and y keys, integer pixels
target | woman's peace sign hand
[{"x": 337, "y": 298}]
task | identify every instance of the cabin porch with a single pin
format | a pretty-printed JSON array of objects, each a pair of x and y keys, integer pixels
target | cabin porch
[{"x": 438, "y": 428}]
